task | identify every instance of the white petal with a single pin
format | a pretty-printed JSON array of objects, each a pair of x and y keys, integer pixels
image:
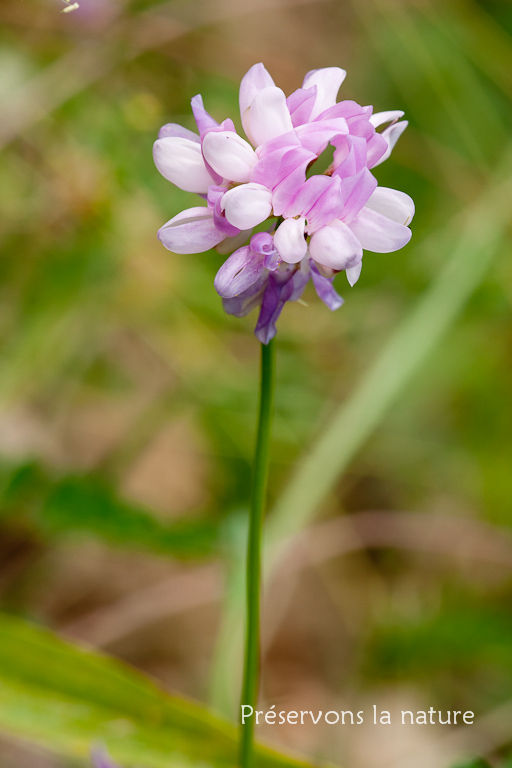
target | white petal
[
  {"x": 247, "y": 205},
  {"x": 289, "y": 240},
  {"x": 335, "y": 246},
  {"x": 174, "y": 129},
  {"x": 353, "y": 273},
  {"x": 391, "y": 134},
  {"x": 229, "y": 155},
  {"x": 180, "y": 160},
  {"x": 377, "y": 233},
  {"x": 191, "y": 231},
  {"x": 327, "y": 81},
  {"x": 253, "y": 81},
  {"x": 268, "y": 115},
  {"x": 392, "y": 203},
  {"x": 380, "y": 118}
]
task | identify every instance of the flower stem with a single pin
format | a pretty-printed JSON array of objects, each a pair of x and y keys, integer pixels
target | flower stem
[{"x": 258, "y": 497}]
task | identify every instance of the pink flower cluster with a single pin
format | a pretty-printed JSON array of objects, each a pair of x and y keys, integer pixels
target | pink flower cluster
[{"x": 318, "y": 225}]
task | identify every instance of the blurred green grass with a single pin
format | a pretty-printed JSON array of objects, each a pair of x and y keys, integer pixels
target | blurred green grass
[{"x": 114, "y": 350}]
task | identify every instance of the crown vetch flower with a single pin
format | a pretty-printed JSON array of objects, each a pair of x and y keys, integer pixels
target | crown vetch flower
[{"x": 318, "y": 225}]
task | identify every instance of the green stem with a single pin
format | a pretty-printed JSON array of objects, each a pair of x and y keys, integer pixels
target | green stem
[{"x": 258, "y": 497}]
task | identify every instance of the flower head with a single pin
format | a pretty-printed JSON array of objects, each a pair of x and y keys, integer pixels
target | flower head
[{"x": 314, "y": 226}]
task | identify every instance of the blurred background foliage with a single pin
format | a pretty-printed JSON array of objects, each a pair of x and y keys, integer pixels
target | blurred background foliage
[{"x": 127, "y": 397}]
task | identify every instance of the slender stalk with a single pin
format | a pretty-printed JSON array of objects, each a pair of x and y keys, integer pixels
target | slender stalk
[{"x": 258, "y": 497}]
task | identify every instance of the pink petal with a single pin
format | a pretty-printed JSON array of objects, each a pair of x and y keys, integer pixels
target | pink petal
[
  {"x": 317, "y": 135},
  {"x": 300, "y": 104},
  {"x": 327, "y": 81},
  {"x": 268, "y": 115},
  {"x": 229, "y": 155},
  {"x": 392, "y": 203},
  {"x": 376, "y": 148},
  {"x": 327, "y": 207},
  {"x": 191, "y": 231},
  {"x": 292, "y": 173},
  {"x": 180, "y": 161},
  {"x": 350, "y": 158},
  {"x": 347, "y": 109},
  {"x": 356, "y": 191},
  {"x": 335, "y": 246},
  {"x": 247, "y": 205},
  {"x": 307, "y": 195},
  {"x": 266, "y": 169},
  {"x": 270, "y": 156},
  {"x": 377, "y": 233},
  {"x": 391, "y": 135},
  {"x": 289, "y": 240}
]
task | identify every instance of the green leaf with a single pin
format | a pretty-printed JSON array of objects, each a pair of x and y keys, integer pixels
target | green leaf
[
  {"x": 68, "y": 698},
  {"x": 85, "y": 503}
]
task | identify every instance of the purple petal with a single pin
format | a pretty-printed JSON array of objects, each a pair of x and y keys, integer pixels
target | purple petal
[
  {"x": 270, "y": 310},
  {"x": 204, "y": 120},
  {"x": 191, "y": 231},
  {"x": 324, "y": 288},
  {"x": 281, "y": 287},
  {"x": 298, "y": 282},
  {"x": 272, "y": 260},
  {"x": 173, "y": 129},
  {"x": 377, "y": 233},
  {"x": 214, "y": 193},
  {"x": 263, "y": 243},
  {"x": 238, "y": 273},
  {"x": 241, "y": 305}
]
